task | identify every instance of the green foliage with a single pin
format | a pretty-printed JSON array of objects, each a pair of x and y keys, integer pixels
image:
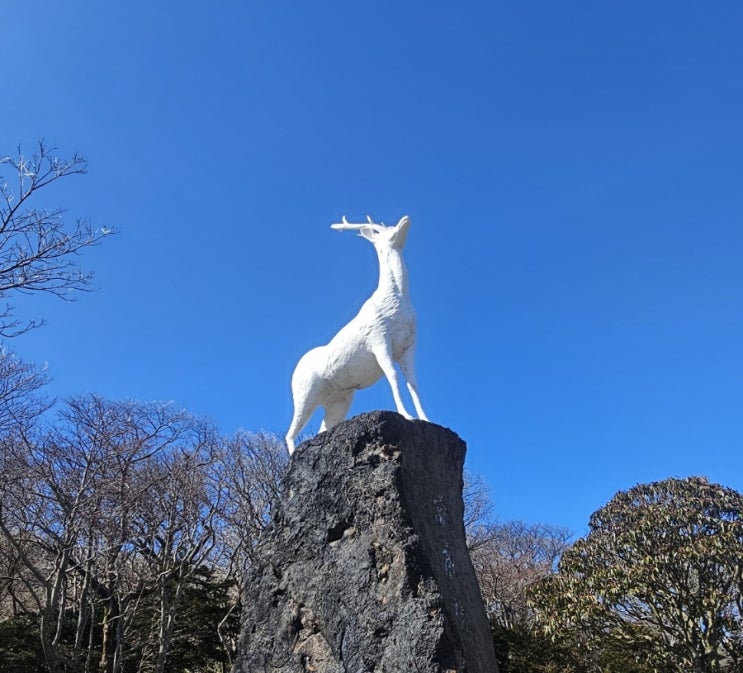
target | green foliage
[
  {"x": 524, "y": 649},
  {"x": 196, "y": 644},
  {"x": 658, "y": 577},
  {"x": 20, "y": 647}
]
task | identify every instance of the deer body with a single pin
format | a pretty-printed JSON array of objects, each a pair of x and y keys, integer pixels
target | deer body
[{"x": 365, "y": 349}]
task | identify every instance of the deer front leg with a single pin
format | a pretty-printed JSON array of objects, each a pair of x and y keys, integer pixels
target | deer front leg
[
  {"x": 407, "y": 364},
  {"x": 383, "y": 354}
]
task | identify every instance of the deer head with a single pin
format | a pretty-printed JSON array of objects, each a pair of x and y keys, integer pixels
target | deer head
[{"x": 379, "y": 235}]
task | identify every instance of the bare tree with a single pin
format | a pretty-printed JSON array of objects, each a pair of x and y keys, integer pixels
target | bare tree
[
  {"x": 248, "y": 474},
  {"x": 176, "y": 534},
  {"x": 85, "y": 506},
  {"x": 37, "y": 250},
  {"x": 39, "y": 523},
  {"x": 508, "y": 558},
  {"x": 20, "y": 400},
  {"x": 478, "y": 508}
]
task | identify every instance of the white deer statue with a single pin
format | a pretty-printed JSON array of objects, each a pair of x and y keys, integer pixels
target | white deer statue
[{"x": 382, "y": 333}]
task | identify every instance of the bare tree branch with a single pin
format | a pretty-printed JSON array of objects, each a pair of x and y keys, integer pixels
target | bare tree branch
[{"x": 37, "y": 250}]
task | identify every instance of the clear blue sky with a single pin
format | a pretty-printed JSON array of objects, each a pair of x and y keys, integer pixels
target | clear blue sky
[{"x": 574, "y": 175}]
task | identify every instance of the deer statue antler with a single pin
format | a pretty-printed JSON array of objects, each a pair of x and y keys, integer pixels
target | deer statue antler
[{"x": 345, "y": 225}]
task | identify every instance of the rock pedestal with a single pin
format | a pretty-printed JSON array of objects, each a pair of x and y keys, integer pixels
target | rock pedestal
[{"x": 364, "y": 565}]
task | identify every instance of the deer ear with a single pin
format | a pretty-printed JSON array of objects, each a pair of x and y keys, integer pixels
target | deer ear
[{"x": 401, "y": 232}]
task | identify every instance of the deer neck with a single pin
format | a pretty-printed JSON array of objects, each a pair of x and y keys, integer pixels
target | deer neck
[{"x": 393, "y": 275}]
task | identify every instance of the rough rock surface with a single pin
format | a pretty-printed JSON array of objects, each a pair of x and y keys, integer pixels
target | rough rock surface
[{"x": 364, "y": 565}]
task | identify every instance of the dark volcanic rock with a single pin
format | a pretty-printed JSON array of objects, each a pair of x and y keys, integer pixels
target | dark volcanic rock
[{"x": 364, "y": 565}]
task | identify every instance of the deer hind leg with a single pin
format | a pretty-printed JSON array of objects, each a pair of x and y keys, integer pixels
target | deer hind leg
[
  {"x": 336, "y": 411},
  {"x": 387, "y": 365},
  {"x": 301, "y": 416},
  {"x": 407, "y": 365},
  {"x": 308, "y": 388},
  {"x": 303, "y": 409}
]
